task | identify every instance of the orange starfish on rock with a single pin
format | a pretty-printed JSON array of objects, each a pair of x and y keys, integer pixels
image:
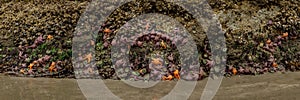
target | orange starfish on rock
[
  {"x": 176, "y": 74},
  {"x": 49, "y": 37},
  {"x": 170, "y": 77},
  {"x": 52, "y": 66},
  {"x": 286, "y": 34},
  {"x": 162, "y": 43},
  {"x": 32, "y": 64},
  {"x": 268, "y": 41},
  {"x": 234, "y": 71},
  {"x": 88, "y": 57},
  {"x": 22, "y": 71},
  {"x": 107, "y": 30},
  {"x": 156, "y": 61},
  {"x": 274, "y": 64}
]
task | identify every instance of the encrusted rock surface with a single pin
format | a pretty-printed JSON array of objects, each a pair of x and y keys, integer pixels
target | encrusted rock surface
[{"x": 255, "y": 32}]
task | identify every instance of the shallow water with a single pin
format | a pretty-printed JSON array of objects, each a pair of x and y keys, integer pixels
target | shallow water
[
  {"x": 14, "y": 88},
  {"x": 270, "y": 86}
]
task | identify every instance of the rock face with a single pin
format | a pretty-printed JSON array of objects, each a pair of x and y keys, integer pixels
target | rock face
[
  {"x": 24, "y": 22},
  {"x": 261, "y": 34},
  {"x": 249, "y": 26}
]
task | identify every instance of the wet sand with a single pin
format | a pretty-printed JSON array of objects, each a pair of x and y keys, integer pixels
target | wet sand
[{"x": 269, "y": 86}]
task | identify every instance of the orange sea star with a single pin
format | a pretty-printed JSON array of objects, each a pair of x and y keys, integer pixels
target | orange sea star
[
  {"x": 49, "y": 37},
  {"x": 156, "y": 61},
  {"x": 52, "y": 66},
  {"x": 162, "y": 43},
  {"x": 88, "y": 57},
  {"x": 176, "y": 74}
]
